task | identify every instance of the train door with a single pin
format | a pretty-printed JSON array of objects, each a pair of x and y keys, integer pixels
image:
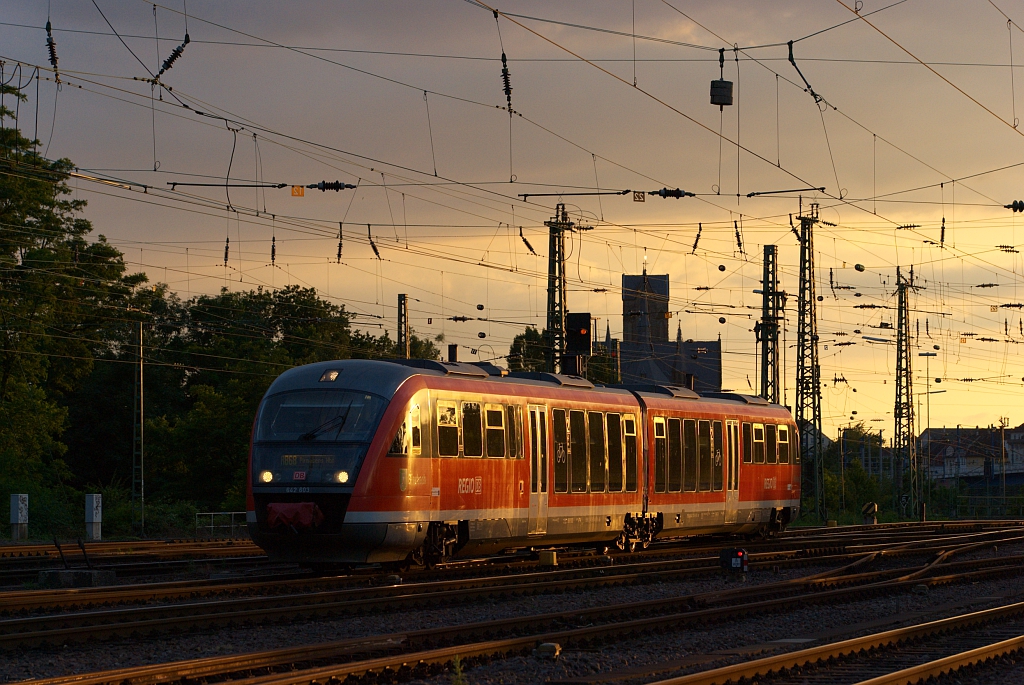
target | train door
[
  {"x": 732, "y": 489},
  {"x": 538, "y": 524}
]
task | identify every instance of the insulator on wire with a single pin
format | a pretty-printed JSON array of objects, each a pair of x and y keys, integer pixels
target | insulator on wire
[
  {"x": 739, "y": 240},
  {"x": 1016, "y": 206},
  {"x": 324, "y": 186},
  {"x": 51, "y": 46},
  {"x": 506, "y": 79},
  {"x": 942, "y": 235},
  {"x": 700, "y": 228},
  {"x": 372, "y": 244},
  {"x": 273, "y": 250},
  {"x": 227, "y": 249},
  {"x": 175, "y": 54},
  {"x": 340, "y": 227},
  {"x": 528, "y": 245},
  {"x": 669, "y": 192}
]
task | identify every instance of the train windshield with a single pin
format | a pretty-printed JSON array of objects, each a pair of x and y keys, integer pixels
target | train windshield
[{"x": 320, "y": 416}]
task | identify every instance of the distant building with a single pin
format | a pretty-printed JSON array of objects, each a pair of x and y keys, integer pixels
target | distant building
[
  {"x": 974, "y": 455},
  {"x": 646, "y": 353}
]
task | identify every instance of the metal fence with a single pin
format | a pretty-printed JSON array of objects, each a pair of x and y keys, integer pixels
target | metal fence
[
  {"x": 221, "y": 524},
  {"x": 995, "y": 506}
]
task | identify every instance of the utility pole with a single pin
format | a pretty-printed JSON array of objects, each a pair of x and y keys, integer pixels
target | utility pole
[
  {"x": 928, "y": 423},
  {"x": 773, "y": 303},
  {"x": 554, "y": 334},
  {"x": 808, "y": 372},
  {"x": 1004, "y": 421},
  {"x": 138, "y": 453},
  {"x": 904, "y": 441},
  {"x": 403, "y": 326}
]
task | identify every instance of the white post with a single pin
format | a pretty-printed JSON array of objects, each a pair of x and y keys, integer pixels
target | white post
[
  {"x": 94, "y": 517},
  {"x": 19, "y": 517}
]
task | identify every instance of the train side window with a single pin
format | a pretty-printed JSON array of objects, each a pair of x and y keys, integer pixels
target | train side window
[
  {"x": 629, "y": 430},
  {"x": 771, "y": 452},
  {"x": 794, "y": 447},
  {"x": 716, "y": 458},
  {"x": 758, "y": 443},
  {"x": 598, "y": 466},
  {"x": 415, "y": 437},
  {"x": 495, "y": 416},
  {"x": 690, "y": 455},
  {"x": 561, "y": 438},
  {"x": 447, "y": 429},
  {"x": 472, "y": 431},
  {"x": 578, "y": 450},
  {"x": 675, "y": 455},
  {"x": 512, "y": 431},
  {"x": 783, "y": 444},
  {"x": 704, "y": 451},
  {"x": 614, "y": 422},
  {"x": 748, "y": 444},
  {"x": 534, "y": 449},
  {"x": 659, "y": 454},
  {"x": 400, "y": 443},
  {"x": 544, "y": 451}
]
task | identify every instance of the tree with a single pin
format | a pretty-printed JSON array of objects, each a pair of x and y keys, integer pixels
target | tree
[
  {"x": 70, "y": 320},
  {"x": 60, "y": 294},
  {"x": 527, "y": 352}
]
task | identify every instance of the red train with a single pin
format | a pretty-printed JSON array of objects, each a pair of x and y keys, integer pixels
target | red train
[{"x": 421, "y": 461}]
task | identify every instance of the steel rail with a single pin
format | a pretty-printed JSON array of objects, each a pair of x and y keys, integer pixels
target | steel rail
[
  {"x": 20, "y": 601},
  {"x": 211, "y": 666},
  {"x": 766, "y": 666},
  {"x": 427, "y": 661},
  {"x": 433, "y": 656},
  {"x": 35, "y": 600},
  {"x": 25, "y": 600},
  {"x": 939, "y": 667},
  {"x": 119, "y": 549},
  {"x": 61, "y": 628}
]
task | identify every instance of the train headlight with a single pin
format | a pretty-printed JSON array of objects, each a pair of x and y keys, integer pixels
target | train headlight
[
  {"x": 266, "y": 476},
  {"x": 341, "y": 476}
]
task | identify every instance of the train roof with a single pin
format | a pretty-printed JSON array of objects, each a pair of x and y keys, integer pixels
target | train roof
[{"x": 384, "y": 377}]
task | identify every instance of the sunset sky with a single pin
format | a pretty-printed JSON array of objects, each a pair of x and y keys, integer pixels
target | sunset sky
[{"x": 916, "y": 125}]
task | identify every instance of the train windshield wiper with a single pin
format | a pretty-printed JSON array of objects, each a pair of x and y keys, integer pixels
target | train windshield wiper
[{"x": 337, "y": 423}]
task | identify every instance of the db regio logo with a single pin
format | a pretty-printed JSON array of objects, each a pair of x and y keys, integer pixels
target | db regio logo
[{"x": 471, "y": 486}]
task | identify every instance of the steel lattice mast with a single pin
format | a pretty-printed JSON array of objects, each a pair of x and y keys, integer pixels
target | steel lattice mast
[
  {"x": 904, "y": 440},
  {"x": 767, "y": 328},
  {"x": 554, "y": 334},
  {"x": 808, "y": 372}
]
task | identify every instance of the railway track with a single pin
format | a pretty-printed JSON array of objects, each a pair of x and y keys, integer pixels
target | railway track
[
  {"x": 425, "y": 652},
  {"x": 909, "y": 654},
  {"x": 136, "y": 548},
  {"x": 803, "y": 546},
  {"x": 22, "y": 563}
]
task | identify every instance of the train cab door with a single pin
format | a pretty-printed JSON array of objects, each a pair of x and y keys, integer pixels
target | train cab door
[
  {"x": 538, "y": 523},
  {"x": 732, "y": 481}
]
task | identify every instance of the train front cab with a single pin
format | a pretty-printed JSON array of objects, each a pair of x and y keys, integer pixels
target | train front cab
[{"x": 316, "y": 435}]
